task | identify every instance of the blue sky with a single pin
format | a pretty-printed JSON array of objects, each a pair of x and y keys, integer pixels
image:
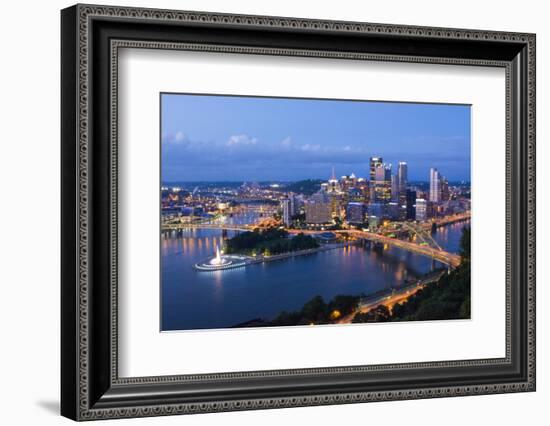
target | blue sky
[{"x": 230, "y": 138}]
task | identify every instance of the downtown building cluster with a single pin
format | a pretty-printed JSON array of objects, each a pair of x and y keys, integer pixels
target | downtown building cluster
[{"x": 358, "y": 201}]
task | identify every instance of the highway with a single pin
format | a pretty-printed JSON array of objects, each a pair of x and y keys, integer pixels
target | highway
[
  {"x": 424, "y": 250},
  {"x": 390, "y": 300},
  {"x": 436, "y": 253}
]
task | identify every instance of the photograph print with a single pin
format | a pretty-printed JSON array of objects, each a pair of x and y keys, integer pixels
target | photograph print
[{"x": 279, "y": 212}]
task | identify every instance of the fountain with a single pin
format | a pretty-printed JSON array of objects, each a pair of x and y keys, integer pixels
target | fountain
[{"x": 221, "y": 261}]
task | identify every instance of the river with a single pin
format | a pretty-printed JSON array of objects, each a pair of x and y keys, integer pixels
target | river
[{"x": 200, "y": 300}]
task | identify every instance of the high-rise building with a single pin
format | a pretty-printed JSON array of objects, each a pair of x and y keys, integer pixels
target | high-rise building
[
  {"x": 410, "y": 203},
  {"x": 394, "y": 188},
  {"x": 435, "y": 186},
  {"x": 402, "y": 172},
  {"x": 318, "y": 209},
  {"x": 372, "y": 193},
  {"x": 348, "y": 182},
  {"x": 363, "y": 186},
  {"x": 337, "y": 204},
  {"x": 355, "y": 213},
  {"x": 296, "y": 202},
  {"x": 402, "y": 181},
  {"x": 434, "y": 209},
  {"x": 445, "y": 193},
  {"x": 421, "y": 209},
  {"x": 376, "y": 209},
  {"x": 355, "y": 194},
  {"x": 333, "y": 184},
  {"x": 285, "y": 204},
  {"x": 393, "y": 210},
  {"x": 374, "y": 163},
  {"x": 382, "y": 183},
  {"x": 293, "y": 205}
]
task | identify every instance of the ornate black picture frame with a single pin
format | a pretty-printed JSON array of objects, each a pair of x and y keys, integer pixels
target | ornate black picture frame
[{"x": 90, "y": 38}]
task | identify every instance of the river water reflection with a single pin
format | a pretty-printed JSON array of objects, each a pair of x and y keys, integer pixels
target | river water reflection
[{"x": 198, "y": 300}]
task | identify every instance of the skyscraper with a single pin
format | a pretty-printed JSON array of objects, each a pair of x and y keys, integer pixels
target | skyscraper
[
  {"x": 296, "y": 202},
  {"x": 333, "y": 184},
  {"x": 410, "y": 202},
  {"x": 355, "y": 213},
  {"x": 374, "y": 163},
  {"x": 445, "y": 193},
  {"x": 285, "y": 204},
  {"x": 363, "y": 186},
  {"x": 421, "y": 209},
  {"x": 402, "y": 172},
  {"x": 392, "y": 210},
  {"x": 394, "y": 188},
  {"x": 382, "y": 183},
  {"x": 348, "y": 182},
  {"x": 435, "y": 186},
  {"x": 377, "y": 210},
  {"x": 318, "y": 209},
  {"x": 293, "y": 204}
]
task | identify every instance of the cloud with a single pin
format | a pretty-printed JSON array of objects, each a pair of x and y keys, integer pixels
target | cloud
[
  {"x": 244, "y": 149},
  {"x": 191, "y": 159},
  {"x": 308, "y": 147},
  {"x": 241, "y": 140},
  {"x": 287, "y": 142},
  {"x": 179, "y": 137}
]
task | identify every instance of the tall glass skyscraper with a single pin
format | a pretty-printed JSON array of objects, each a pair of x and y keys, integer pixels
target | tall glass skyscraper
[
  {"x": 421, "y": 209},
  {"x": 435, "y": 186},
  {"x": 402, "y": 177},
  {"x": 374, "y": 163},
  {"x": 382, "y": 183}
]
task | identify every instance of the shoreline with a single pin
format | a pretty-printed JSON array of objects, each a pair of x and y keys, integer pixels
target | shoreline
[
  {"x": 249, "y": 260},
  {"x": 246, "y": 260},
  {"x": 326, "y": 247},
  {"x": 382, "y": 297},
  {"x": 455, "y": 221},
  {"x": 392, "y": 296}
]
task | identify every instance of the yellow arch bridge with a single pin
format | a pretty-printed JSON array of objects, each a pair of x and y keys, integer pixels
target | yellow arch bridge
[{"x": 436, "y": 253}]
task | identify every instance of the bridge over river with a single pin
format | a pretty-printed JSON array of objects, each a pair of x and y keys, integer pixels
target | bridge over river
[{"x": 436, "y": 253}]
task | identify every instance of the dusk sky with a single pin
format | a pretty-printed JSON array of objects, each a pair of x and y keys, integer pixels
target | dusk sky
[{"x": 226, "y": 138}]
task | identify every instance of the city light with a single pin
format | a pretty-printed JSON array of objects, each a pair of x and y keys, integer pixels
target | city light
[
  {"x": 380, "y": 207},
  {"x": 335, "y": 314}
]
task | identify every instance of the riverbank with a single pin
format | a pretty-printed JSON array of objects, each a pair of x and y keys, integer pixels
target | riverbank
[
  {"x": 390, "y": 297},
  {"x": 224, "y": 299},
  {"x": 325, "y": 247},
  {"x": 355, "y": 305},
  {"x": 244, "y": 260}
]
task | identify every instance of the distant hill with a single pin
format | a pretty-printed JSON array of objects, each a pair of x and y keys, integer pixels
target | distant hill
[{"x": 306, "y": 187}]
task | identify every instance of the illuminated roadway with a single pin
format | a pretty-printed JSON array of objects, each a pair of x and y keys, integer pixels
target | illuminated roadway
[
  {"x": 176, "y": 226},
  {"x": 425, "y": 250}
]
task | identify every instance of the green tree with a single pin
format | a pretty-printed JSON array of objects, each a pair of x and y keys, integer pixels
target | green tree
[
  {"x": 316, "y": 310},
  {"x": 448, "y": 298},
  {"x": 465, "y": 244},
  {"x": 343, "y": 303},
  {"x": 465, "y": 309},
  {"x": 379, "y": 314}
]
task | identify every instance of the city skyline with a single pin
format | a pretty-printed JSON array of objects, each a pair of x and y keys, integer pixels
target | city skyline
[
  {"x": 365, "y": 175},
  {"x": 322, "y": 201},
  {"x": 235, "y": 139}
]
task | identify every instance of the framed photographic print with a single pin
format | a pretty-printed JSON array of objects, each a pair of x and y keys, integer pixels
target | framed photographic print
[{"x": 263, "y": 212}]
